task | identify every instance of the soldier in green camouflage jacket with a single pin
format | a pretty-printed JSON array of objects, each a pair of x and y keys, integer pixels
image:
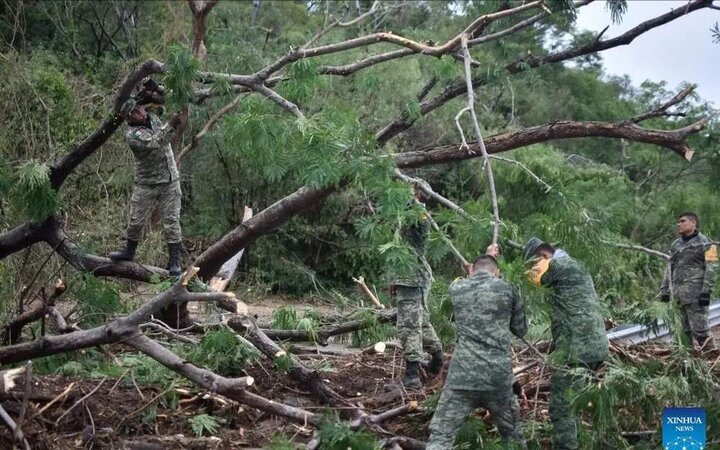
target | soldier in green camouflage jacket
[
  {"x": 578, "y": 332},
  {"x": 410, "y": 288},
  {"x": 157, "y": 184},
  {"x": 693, "y": 264},
  {"x": 487, "y": 311}
]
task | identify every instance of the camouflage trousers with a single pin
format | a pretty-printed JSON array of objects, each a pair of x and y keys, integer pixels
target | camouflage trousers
[
  {"x": 565, "y": 419},
  {"x": 695, "y": 325},
  {"x": 414, "y": 329},
  {"x": 145, "y": 198},
  {"x": 455, "y": 405}
]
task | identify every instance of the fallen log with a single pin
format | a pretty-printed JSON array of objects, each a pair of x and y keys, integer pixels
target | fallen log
[{"x": 309, "y": 378}]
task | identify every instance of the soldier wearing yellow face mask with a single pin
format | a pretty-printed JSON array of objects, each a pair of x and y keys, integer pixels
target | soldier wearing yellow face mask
[{"x": 578, "y": 332}]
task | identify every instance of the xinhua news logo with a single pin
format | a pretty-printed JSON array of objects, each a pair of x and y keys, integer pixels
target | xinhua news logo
[{"x": 683, "y": 429}]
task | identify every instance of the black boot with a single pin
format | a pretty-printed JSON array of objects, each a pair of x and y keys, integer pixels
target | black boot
[
  {"x": 173, "y": 265},
  {"x": 436, "y": 363},
  {"x": 126, "y": 254},
  {"x": 411, "y": 379}
]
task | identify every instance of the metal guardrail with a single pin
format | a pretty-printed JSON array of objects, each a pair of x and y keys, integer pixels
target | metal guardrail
[{"x": 637, "y": 334}]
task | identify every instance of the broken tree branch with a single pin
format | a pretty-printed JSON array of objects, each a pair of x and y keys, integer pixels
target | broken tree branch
[
  {"x": 661, "y": 111},
  {"x": 638, "y": 248},
  {"x": 478, "y": 135}
]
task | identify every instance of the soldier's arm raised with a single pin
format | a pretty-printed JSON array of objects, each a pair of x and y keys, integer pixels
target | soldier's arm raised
[{"x": 518, "y": 319}]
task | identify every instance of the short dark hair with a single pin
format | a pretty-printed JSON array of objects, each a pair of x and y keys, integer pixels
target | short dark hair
[
  {"x": 692, "y": 216},
  {"x": 544, "y": 247},
  {"x": 486, "y": 263}
]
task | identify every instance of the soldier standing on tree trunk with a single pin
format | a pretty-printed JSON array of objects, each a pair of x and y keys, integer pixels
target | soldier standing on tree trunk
[
  {"x": 157, "y": 183},
  {"x": 411, "y": 289},
  {"x": 693, "y": 263}
]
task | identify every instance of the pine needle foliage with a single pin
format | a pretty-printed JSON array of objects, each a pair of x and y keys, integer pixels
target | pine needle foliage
[
  {"x": 222, "y": 352},
  {"x": 339, "y": 436},
  {"x": 281, "y": 442},
  {"x": 182, "y": 70},
  {"x": 32, "y": 193},
  {"x": 98, "y": 300},
  {"x": 205, "y": 425},
  {"x": 372, "y": 331},
  {"x": 630, "y": 397}
]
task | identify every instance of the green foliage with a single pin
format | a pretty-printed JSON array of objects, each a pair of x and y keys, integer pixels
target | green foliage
[
  {"x": 441, "y": 311},
  {"x": 32, "y": 192},
  {"x": 222, "y": 352},
  {"x": 98, "y": 300},
  {"x": 339, "y": 436},
  {"x": 629, "y": 397},
  {"x": 283, "y": 363},
  {"x": 148, "y": 371},
  {"x": 617, "y": 9},
  {"x": 182, "y": 71},
  {"x": 372, "y": 331},
  {"x": 280, "y": 442},
  {"x": 304, "y": 80},
  {"x": 203, "y": 424},
  {"x": 88, "y": 363}
]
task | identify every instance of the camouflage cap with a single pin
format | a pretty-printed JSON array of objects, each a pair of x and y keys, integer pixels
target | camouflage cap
[{"x": 531, "y": 247}]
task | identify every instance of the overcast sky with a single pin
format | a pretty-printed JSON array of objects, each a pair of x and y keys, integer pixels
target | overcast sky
[{"x": 682, "y": 50}]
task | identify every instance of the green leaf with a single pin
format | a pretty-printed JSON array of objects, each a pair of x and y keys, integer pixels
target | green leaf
[
  {"x": 204, "y": 424},
  {"x": 32, "y": 192}
]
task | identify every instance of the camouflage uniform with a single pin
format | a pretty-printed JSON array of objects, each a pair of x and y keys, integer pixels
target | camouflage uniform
[
  {"x": 487, "y": 310},
  {"x": 412, "y": 288},
  {"x": 578, "y": 331},
  {"x": 157, "y": 181},
  {"x": 693, "y": 263}
]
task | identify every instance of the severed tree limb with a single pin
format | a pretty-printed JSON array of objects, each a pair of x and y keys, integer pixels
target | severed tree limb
[
  {"x": 13, "y": 330},
  {"x": 114, "y": 331},
  {"x": 638, "y": 248},
  {"x": 310, "y": 378},
  {"x": 389, "y": 37},
  {"x": 277, "y": 98},
  {"x": 14, "y": 429},
  {"x": 661, "y": 111},
  {"x": 206, "y": 128},
  {"x": 481, "y": 144},
  {"x": 675, "y": 140},
  {"x": 202, "y": 377}
]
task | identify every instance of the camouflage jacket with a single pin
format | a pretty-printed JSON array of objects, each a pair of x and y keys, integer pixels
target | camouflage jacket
[
  {"x": 419, "y": 273},
  {"x": 154, "y": 160},
  {"x": 693, "y": 263},
  {"x": 577, "y": 325},
  {"x": 487, "y": 310}
]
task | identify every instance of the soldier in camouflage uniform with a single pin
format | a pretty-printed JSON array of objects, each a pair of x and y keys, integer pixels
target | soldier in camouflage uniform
[
  {"x": 411, "y": 288},
  {"x": 693, "y": 263},
  {"x": 487, "y": 310},
  {"x": 578, "y": 332},
  {"x": 157, "y": 183}
]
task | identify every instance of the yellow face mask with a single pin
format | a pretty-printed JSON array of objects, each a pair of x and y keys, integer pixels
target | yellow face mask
[{"x": 538, "y": 270}]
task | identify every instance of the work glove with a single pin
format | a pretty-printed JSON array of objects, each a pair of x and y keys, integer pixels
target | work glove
[
  {"x": 665, "y": 297},
  {"x": 704, "y": 299}
]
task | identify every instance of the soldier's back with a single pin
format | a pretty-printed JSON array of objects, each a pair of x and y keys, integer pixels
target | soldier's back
[
  {"x": 483, "y": 308},
  {"x": 577, "y": 325}
]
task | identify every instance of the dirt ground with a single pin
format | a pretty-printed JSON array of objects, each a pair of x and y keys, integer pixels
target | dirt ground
[{"x": 117, "y": 414}]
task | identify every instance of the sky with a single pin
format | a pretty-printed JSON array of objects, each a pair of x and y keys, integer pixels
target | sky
[{"x": 682, "y": 50}]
